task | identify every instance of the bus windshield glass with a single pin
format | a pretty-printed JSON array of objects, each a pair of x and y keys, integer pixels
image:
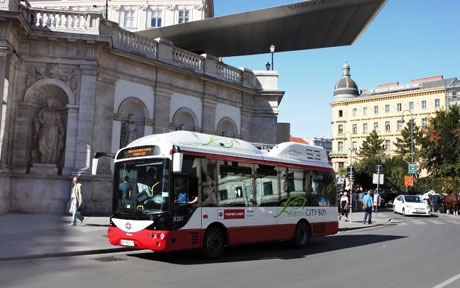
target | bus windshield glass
[{"x": 142, "y": 185}]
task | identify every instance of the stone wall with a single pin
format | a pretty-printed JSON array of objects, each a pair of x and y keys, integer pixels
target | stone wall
[{"x": 91, "y": 76}]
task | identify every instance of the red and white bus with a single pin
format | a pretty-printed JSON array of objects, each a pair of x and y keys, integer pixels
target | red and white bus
[{"x": 185, "y": 190}]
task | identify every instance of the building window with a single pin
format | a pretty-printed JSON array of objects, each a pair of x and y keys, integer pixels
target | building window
[
  {"x": 387, "y": 126},
  {"x": 184, "y": 16},
  {"x": 411, "y": 105},
  {"x": 340, "y": 113},
  {"x": 355, "y": 128},
  {"x": 155, "y": 18},
  {"x": 424, "y": 104},
  {"x": 355, "y": 146},
  {"x": 399, "y": 144},
  {"x": 340, "y": 147},
  {"x": 340, "y": 130},
  {"x": 376, "y": 126},
  {"x": 376, "y": 109},
  {"x": 129, "y": 18},
  {"x": 341, "y": 165},
  {"x": 364, "y": 110},
  {"x": 387, "y": 145},
  {"x": 364, "y": 128},
  {"x": 437, "y": 103},
  {"x": 424, "y": 122},
  {"x": 399, "y": 125},
  {"x": 387, "y": 108},
  {"x": 355, "y": 111},
  {"x": 399, "y": 107}
]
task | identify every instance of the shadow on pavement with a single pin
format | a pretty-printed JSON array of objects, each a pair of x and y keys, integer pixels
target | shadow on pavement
[{"x": 280, "y": 250}]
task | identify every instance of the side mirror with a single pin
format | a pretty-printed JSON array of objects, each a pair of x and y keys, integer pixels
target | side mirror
[
  {"x": 177, "y": 162},
  {"x": 94, "y": 168}
]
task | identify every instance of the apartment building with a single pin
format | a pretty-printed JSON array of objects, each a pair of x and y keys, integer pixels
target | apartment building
[{"x": 355, "y": 113}]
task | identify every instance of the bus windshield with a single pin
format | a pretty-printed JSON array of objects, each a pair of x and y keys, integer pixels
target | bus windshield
[{"x": 142, "y": 185}]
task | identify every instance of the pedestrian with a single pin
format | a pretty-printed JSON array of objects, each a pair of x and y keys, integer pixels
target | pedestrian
[
  {"x": 344, "y": 206},
  {"x": 368, "y": 207},
  {"x": 76, "y": 201}
]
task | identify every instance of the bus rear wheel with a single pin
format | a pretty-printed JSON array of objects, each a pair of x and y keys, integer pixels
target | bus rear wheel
[
  {"x": 213, "y": 243},
  {"x": 302, "y": 235}
]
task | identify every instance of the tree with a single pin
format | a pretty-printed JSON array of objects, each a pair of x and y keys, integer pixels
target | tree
[
  {"x": 441, "y": 149},
  {"x": 372, "y": 147},
  {"x": 371, "y": 154},
  {"x": 403, "y": 144}
]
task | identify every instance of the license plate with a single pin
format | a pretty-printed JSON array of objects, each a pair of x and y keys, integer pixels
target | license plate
[{"x": 127, "y": 243}]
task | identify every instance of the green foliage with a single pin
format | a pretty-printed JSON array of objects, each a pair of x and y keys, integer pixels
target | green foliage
[
  {"x": 436, "y": 148},
  {"x": 440, "y": 146},
  {"x": 372, "y": 147}
]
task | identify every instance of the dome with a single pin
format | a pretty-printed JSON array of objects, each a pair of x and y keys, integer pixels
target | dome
[{"x": 345, "y": 88}]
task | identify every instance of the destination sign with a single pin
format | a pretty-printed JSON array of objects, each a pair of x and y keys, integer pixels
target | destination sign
[{"x": 136, "y": 152}]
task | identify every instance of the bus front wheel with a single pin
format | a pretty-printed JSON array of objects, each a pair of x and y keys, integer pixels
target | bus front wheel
[
  {"x": 302, "y": 235},
  {"x": 213, "y": 243}
]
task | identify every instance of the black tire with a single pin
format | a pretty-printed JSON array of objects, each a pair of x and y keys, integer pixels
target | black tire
[
  {"x": 302, "y": 235},
  {"x": 213, "y": 243}
]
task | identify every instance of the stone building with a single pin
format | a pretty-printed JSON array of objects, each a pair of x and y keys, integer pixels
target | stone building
[
  {"x": 137, "y": 15},
  {"x": 355, "y": 113},
  {"x": 73, "y": 84}
]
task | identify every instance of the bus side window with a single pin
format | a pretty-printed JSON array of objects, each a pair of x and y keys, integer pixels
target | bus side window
[{"x": 208, "y": 186}]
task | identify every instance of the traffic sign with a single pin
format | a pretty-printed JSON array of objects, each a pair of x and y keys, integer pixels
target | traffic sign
[{"x": 412, "y": 168}]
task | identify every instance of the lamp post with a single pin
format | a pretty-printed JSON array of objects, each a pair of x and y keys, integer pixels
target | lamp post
[
  {"x": 272, "y": 50},
  {"x": 412, "y": 168},
  {"x": 267, "y": 66},
  {"x": 351, "y": 173}
]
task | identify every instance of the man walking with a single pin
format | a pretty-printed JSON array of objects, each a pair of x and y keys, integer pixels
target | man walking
[
  {"x": 368, "y": 207},
  {"x": 76, "y": 200}
]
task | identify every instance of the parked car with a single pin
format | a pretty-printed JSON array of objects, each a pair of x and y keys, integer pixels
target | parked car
[{"x": 411, "y": 205}]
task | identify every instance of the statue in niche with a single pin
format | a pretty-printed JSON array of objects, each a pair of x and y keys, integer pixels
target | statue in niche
[
  {"x": 129, "y": 131},
  {"x": 48, "y": 135}
]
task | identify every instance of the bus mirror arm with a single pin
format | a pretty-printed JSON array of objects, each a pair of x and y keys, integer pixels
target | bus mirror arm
[
  {"x": 96, "y": 157},
  {"x": 103, "y": 154}
]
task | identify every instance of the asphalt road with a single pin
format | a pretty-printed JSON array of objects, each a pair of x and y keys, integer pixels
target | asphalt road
[{"x": 407, "y": 252}]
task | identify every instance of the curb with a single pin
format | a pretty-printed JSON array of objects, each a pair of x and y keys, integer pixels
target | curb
[
  {"x": 69, "y": 253},
  {"x": 364, "y": 227}
]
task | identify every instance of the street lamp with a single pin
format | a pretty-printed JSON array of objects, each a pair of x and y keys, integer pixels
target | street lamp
[
  {"x": 272, "y": 50},
  {"x": 351, "y": 171},
  {"x": 412, "y": 169}
]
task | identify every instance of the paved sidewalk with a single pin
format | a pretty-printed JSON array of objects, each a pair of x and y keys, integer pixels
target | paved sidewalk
[{"x": 27, "y": 236}]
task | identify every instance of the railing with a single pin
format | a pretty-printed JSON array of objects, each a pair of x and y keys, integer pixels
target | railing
[
  {"x": 62, "y": 21},
  {"x": 156, "y": 49},
  {"x": 133, "y": 43},
  {"x": 187, "y": 59},
  {"x": 229, "y": 72}
]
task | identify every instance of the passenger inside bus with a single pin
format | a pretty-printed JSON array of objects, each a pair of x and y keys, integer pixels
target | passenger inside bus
[{"x": 126, "y": 190}]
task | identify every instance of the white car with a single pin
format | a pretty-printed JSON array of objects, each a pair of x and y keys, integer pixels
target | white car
[{"x": 411, "y": 205}]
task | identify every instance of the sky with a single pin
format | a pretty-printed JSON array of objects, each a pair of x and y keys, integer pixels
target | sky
[{"x": 408, "y": 39}]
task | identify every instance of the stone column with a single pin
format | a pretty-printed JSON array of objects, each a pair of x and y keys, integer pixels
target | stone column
[
  {"x": 209, "y": 116},
  {"x": 104, "y": 121},
  {"x": 3, "y": 107},
  {"x": 86, "y": 121},
  {"x": 71, "y": 139},
  {"x": 162, "y": 110}
]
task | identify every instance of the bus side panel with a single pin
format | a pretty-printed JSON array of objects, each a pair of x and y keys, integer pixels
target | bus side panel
[
  {"x": 323, "y": 220},
  {"x": 324, "y": 228},
  {"x": 257, "y": 234}
]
